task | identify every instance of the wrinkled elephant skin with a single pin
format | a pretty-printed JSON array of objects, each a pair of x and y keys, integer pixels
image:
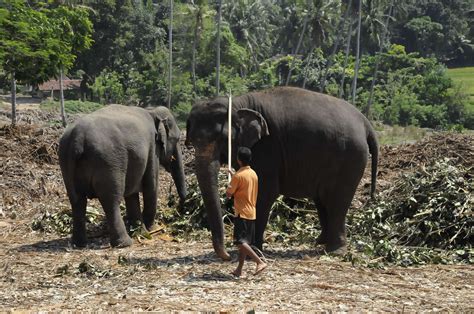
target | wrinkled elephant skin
[
  {"x": 114, "y": 153},
  {"x": 304, "y": 144}
]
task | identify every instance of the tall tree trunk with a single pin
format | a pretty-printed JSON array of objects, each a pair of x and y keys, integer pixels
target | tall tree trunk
[
  {"x": 376, "y": 68},
  {"x": 218, "y": 48},
  {"x": 346, "y": 59},
  {"x": 61, "y": 97},
  {"x": 305, "y": 23},
  {"x": 341, "y": 26},
  {"x": 13, "y": 99},
  {"x": 170, "y": 48},
  {"x": 195, "y": 39},
  {"x": 310, "y": 58},
  {"x": 356, "y": 70}
]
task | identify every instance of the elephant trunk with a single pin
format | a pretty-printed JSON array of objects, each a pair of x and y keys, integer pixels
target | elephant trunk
[
  {"x": 207, "y": 169},
  {"x": 177, "y": 172}
]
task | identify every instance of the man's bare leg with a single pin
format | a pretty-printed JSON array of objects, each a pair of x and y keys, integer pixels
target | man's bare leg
[
  {"x": 244, "y": 251},
  {"x": 242, "y": 256}
]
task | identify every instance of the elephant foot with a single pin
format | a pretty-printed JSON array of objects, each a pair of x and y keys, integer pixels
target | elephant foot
[
  {"x": 321, "y": 239},
  {"x": 336, "y": 250},
  {"x": 79, "y": 242},
  {"x": 121, "y": 242},
  {"x": 221, "y": 252},
  {"x": 152, "y": 228}
]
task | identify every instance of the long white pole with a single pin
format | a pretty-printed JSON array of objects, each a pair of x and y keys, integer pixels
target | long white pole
[
  {"x": 229, "y": 138},
  {"x": 170, "y": 52}
]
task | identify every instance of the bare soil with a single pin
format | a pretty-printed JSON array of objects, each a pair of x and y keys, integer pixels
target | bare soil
[{"x": 41, "y": 272}]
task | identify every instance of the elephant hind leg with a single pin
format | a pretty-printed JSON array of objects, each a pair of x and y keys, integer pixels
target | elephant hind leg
[
  {"x": 336, "y": 205},
  {"x": 110, "y": 190},
  {"x": 79, "y": 236},
  {"x": 323, "y": 221},
  {"x": 134, "y": 214},
  {"x": 118, "y": 233}
]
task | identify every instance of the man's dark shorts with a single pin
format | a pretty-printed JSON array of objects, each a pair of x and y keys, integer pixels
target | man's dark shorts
[{"x": 244, "y": 231}]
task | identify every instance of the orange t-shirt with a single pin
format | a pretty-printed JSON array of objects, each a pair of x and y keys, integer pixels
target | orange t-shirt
[{"x": 244, "y": 188}]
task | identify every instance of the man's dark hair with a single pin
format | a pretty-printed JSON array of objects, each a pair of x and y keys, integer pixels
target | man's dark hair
[{"x": 244, "y": 154}]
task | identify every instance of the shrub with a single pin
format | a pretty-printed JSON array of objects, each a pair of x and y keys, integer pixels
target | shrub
[
  {"x": 108, "y": 88},
  {"x": 72, "y": 106}
]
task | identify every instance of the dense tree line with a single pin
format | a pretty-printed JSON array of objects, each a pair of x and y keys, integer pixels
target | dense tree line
[{"x": 265, "y": 43}]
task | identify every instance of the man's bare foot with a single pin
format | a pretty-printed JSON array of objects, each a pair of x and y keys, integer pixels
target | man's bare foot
[{"x": 260, "y": 268}]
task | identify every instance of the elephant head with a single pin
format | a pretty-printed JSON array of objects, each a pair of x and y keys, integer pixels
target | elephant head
[
  {"x": 168, "y": 147},
  {"x": 207, "y": 130}
]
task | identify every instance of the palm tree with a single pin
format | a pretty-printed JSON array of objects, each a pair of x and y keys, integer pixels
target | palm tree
[
  {"x": 356, "y": 70},
  {"x": 372, "y": 25},
  {"x": 382, "y": 46},
  {"x": 197, "y": 34},
  {"x": 252, "y": 23},
  {"x": 341, "y": 26},
  {"x": 305, "y": 23},
  {"x": 170, "y": 61},
  {"x": 218, "y": 44},
  {"x": 346, "y": 58}
]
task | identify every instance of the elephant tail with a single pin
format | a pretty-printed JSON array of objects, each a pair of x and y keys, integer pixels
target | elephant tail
[
  {"x": 71, "y": 147},
  {"x": 374, "y": 152}
]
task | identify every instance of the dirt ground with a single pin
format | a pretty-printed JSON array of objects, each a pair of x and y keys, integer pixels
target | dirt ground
[{"x": 41, "y": 272}]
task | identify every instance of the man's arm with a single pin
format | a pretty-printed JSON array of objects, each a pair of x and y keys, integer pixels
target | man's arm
[{"x": 234, "y": 183}]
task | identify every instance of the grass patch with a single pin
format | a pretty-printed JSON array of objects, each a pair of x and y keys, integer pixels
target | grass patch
[
  {"x": 464, "y": 77},
  {"x": 72, "y": 106},
  {"x": 400, "y": 135}
]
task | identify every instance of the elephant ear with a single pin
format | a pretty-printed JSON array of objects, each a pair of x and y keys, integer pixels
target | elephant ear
[
  {"x": 162, "y": 134},
  {"x": 253, "y": 127}
]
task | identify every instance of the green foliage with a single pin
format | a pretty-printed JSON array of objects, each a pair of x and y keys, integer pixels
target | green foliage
[
  {"x": 435, "y": 28},
  {"x": 293, "y": 221},
  {"x": 265, "y": 77},
  {"x": 128, "y": 59},
  {"x": 108, "y": 89},
  {"x": 61, "y": 222},
  {"x": 411, "y": 90},
  {"x": 193, "y": 216},
  {"x": 72, "y": 106},
  {"x": 37, "y": 39},
  {"x": 428, "y": 34}
]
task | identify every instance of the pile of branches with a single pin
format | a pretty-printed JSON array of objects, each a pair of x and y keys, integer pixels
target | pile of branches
[
  {"x": 456, "y": 146},
  {"x": 426, "y": 216},
  {"x": 28, "y": 142}
]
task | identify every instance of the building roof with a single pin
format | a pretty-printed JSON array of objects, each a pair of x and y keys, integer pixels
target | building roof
[{"x": 54, "y": 84}]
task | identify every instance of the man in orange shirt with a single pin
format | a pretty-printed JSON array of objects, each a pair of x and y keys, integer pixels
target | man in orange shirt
[{"x": 244, "y": 188}]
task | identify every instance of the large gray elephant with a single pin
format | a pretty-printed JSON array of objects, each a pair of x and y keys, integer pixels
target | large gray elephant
[
  {"x": 114, "y": 153},
  {"x": 304, "y": 144}
]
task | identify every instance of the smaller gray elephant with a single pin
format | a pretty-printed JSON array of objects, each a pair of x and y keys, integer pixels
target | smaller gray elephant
[{"x": 114, "y": 153}]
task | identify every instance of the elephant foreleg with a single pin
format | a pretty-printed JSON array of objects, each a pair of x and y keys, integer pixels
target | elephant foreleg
[
  {"x": 267, "y": 195},
  {"x": 150, "y": 187},
  {"x": 134, "y": 214},
  {"x": 79, "y": 236}
]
